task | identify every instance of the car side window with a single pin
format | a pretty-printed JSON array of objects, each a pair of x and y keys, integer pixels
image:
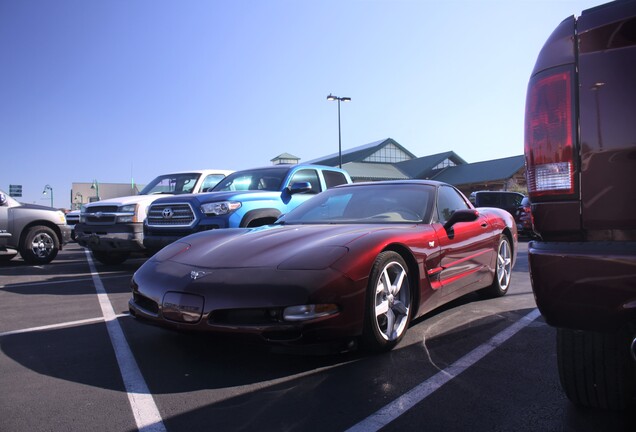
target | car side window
[
  {"x": 488, "y": 200},
  {"x": 513, "y": 200},
  {"x": 211, "y": 181},
  {"x": 334, "y": 178},
  {"x": 307, "y": 175},
  {"x": 448, "y": 201}
]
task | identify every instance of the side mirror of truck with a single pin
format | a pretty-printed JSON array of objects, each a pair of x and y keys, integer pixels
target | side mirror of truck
[
  {"x": 3, "y": 199},
  {"x": 299, "y": 187}
]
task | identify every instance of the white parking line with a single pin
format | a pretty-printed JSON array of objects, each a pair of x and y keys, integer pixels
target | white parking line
[
  {"x": 395, "y": 409},
  {"x": 60, "y": 325},
  {"x": 141, "y": 401},
  {"x": 62, "y": 281}
]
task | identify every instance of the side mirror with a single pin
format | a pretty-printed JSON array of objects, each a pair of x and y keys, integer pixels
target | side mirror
[
  {"x": 3, "y": 199},
  {"x": 299, "y": 187},
  {"x": 468, "y": 215}
]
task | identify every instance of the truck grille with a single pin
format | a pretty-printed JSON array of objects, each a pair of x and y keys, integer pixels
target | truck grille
[
  {"x": 100, "y": 215},
  {"x": 100, "y": 219},
  {"x": 170, "y": 215},
  {"x": 101, "y": 209}
]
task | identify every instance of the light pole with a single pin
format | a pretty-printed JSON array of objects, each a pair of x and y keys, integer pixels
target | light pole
[
  {"x": 95, "y": 186},
  {"x": 339, "y": 99},
  {"x": 79, "y": 197},
  {"x": 48, "y": 188}
]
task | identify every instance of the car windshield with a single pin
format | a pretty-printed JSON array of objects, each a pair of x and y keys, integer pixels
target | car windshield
[
  {"x": 263, "y": 179},
  {"x": 172, "y": 184},
  {"x": 375, "y": 204}
]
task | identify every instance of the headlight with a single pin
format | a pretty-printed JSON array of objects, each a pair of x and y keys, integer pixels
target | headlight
[
  {"x": 129, "y": 218},
  {"x": 130, "y": 208},
  {"x": 309, "y": 312},
  {"x": 82, "y": 218},
  {"x": 220, "y": 208},
  {"x": 62, "y": 217}
]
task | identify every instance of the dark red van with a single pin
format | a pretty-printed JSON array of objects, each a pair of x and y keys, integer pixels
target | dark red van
[{"x": 580, "y": 150}]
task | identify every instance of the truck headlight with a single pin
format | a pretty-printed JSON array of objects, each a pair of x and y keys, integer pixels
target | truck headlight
[
  {"x": 127, "y": 218},
  {"x": 130, "y": 208},
  {"x": 220, "y": 208}
]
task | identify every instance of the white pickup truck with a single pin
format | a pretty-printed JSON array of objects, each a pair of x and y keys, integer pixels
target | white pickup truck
[{"x": 113, "y": 228}]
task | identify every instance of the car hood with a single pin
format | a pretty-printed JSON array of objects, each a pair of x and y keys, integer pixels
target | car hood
[
  {"x": 126, "y": 200},
  {"x": 207, "y": 197},
  {"x": 36, "y": 207},
  {"x": 282, "y": 246}
]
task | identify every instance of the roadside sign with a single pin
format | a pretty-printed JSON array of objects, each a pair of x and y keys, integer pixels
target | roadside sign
[{"x": 15, "y": 190}]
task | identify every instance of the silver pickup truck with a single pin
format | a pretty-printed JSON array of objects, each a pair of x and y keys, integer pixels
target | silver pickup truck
[{"x": 38, "y": 233}]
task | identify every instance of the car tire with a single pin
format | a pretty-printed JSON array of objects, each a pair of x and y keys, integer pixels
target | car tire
[
  {"x": 503, "y": 270},
  {"x": 40, "y": 245},
  {"x": 596, "y": 369},
  {"x": 110, "y": 258},
  {"x": 388, "y": 303}
]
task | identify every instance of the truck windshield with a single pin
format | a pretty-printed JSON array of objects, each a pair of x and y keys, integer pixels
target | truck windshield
[
  {"x": 262, "y": 179},
  {"x": 172, "y": 184}
]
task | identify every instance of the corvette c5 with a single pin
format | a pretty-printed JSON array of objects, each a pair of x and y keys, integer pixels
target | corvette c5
[{"x": 355, "y": 263}]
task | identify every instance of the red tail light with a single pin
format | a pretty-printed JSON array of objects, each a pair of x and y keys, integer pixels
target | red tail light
[{"x": 549, "y": 134}]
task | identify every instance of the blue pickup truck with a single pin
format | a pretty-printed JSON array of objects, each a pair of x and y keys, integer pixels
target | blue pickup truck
[{"x": 248, "y": 198}]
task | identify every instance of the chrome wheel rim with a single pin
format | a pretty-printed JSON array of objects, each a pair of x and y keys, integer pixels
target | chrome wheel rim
[
  {"x": 392, "y": 301},
  {"x": 504, "y": 265},
  {"x": 42, "y": 245}
]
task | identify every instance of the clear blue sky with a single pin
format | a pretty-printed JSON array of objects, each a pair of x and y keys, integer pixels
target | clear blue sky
[{"x": 102, "y": 89}]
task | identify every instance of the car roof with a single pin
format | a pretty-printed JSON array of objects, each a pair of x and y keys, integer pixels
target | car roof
[{"x": 199, "y": 171}]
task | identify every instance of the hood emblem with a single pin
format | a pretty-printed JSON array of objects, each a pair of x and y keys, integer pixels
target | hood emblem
[
  {"x": 167, "y": 213},
  {"x": 194, "y": 275}
]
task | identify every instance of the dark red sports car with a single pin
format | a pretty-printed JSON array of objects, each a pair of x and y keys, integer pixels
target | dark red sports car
[{"x": 356, "y": 262}]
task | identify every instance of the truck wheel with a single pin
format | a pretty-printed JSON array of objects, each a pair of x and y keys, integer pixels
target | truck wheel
[
  {"x": 110, "y": 258},
  {"x": 40, "y": 245},
  {"x": 596, "y": 369}
]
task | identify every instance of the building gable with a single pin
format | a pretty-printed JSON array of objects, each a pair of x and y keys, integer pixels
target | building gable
[{"x": 372, "y": 150}]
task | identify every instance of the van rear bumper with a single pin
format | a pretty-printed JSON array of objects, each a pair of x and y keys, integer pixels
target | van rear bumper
[{"x": 585, "y": 285}]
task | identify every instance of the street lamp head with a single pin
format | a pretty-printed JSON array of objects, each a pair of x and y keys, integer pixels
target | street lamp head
[
  {"x": 48, "y": 188},
  {"x": 339, "y": 99}
]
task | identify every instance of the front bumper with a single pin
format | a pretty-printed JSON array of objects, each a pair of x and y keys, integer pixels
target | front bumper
[
  {"x": 247, "y": 303},
  {"x": 65, "y": 232},
  {"x": 118, "y": 237},
  {"x": 585, "y": 286}
]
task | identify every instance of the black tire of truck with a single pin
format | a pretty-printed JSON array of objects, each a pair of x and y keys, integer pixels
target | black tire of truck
[
  {"x": 110, "y": 258},
  {"x": 40, "y": 245},
  {"x": 596, "y": 369}
]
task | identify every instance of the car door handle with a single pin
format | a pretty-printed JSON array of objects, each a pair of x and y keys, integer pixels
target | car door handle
[{"x": 484, "y": 225}]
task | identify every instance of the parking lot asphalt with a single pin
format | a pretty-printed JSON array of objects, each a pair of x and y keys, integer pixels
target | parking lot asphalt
[{"x": 72, "y": 359}]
